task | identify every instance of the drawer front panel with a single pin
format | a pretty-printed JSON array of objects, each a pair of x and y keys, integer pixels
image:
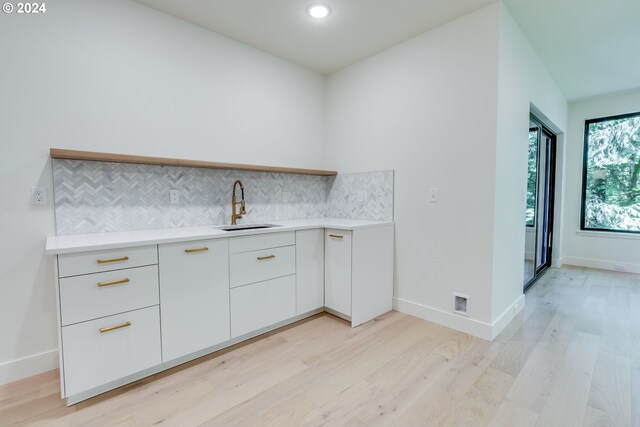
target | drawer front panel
[
  {"x": 112, "y": 259},
  {"x": 256, "y": 266},
  {"x": 93, "y": 358},
  {"x": 102, "y": 294},
  {"x": 262, "y": 304},
  {"x": 261, "y": 241}
]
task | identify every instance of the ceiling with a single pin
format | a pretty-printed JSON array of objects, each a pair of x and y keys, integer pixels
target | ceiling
[
  {"x": 355, "y": 29},
  {"x": 589, "y": 47}
]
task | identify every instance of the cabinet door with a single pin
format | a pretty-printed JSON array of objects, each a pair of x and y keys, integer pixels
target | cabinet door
[
  {"x": 110, "y": 348},
  {"x": 194, "y": 296},
  {"x": 262, "y": 304},
  {"x": 337, "y": 287},
  {"x": 309, "y": 270}
]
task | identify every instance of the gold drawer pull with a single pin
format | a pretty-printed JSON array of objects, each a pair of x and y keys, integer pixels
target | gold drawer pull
[
  {"x": 113, "y": 328},
  {"x": 262, "y": 258},
  {"x": 115, "y": 282},
  {"x": 104, "y": 261},
  {"x": 336, "y": 236},
  {"x": 190, "y": 251}
]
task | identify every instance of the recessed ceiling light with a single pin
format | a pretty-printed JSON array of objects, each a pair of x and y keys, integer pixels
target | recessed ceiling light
[{"x": 318, "y": 11}]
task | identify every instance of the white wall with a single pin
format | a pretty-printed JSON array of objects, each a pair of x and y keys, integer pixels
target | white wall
[
  {"x": 523, "y": 80},
  {"x": 116, "y": 76},
  {"x": 593, "y": 249},
  {"x": 427, "y": 109},
  {"x": 450, "y": 109}
]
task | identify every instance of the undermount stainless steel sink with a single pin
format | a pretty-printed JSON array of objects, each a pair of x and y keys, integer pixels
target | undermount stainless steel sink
[{"x": 239, "y": 227}]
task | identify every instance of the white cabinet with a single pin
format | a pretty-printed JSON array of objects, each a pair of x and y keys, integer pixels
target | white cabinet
[
  {"x": 264, "y": 264},
  {"x": 194, "y": 296},
  {"x": 371, "y": 273},
  {"x": 126, "y": 313},
  {"x": 337, "y": 285},
  {"x": 263, "y": 281},
  {"x": 359, "y": 273},
  {"x": 107, "y": 349},
  {"x": 262, "y": 304},
  {"x": 261, "y": 241},
  {"x": 107, "y": 260},
  {"x": 102, "y": 294},
  {"x": 109, "y": 322},
  {"x": 309, "y": 270}
]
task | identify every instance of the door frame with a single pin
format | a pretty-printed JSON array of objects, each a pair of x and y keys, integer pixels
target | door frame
[{"x": 551, "y": 165}]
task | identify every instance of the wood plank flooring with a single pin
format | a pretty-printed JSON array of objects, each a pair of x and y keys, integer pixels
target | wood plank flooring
[{"x": 571, "y": 358}]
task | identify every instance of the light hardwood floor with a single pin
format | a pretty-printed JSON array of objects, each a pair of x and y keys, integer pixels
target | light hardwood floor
[{"x": 571, "y": 358}]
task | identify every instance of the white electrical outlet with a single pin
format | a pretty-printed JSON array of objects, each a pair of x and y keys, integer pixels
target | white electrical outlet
[
  {"x": 286, "y": 196},
  {"x": 361, "y": 196},
  {"x": 433, "y": 195},
  {"x": 38, "y": 196},
  {"x": 175, "y": 196}
]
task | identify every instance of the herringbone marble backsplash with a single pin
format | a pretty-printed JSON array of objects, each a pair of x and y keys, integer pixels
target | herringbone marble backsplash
[
  {"x": 92, "y": 197},
  {"x": 367, "y": 195}
]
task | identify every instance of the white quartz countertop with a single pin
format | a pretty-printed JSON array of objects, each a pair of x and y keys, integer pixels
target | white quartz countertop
[{"x": 98, "y": 241}]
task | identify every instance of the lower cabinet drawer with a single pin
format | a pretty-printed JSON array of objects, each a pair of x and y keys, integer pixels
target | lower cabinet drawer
[
  {"x": 107, "y": 260},
  {"x": 261, "y": 241},
  {"x": 103, "y": 294},
  {"x": 256, "y": 266},
  {"x": 262, "y": 304},
  {"x": 106, "y": 349}
]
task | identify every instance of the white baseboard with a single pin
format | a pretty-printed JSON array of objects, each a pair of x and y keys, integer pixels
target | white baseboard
[
  {"x": 477, "y": 328},
  {"x": 18, "y": 369},
  {"x": 507, "y": 316},
  {"x": 601, "y": 264}
]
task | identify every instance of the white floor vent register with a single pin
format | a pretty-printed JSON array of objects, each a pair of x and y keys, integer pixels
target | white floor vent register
[{"x": 460, "y": 303}]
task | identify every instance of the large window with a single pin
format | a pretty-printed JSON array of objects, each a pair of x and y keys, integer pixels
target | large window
[{"x": 611, "y": 178}]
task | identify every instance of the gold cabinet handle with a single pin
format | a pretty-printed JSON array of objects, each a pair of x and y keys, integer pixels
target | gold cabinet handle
[
  {"x": 191, "y": 251},
  {"x": 104, "y": 261},
  {"x": 336, "y": 236},
  {"x": 261, "y": 258},
  {"x": 115, "y": 282},
  {"x": 113, "y": 328}
]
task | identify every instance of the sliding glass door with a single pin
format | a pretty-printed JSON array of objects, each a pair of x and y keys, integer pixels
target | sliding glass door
[{"x": 540, "y": 191}]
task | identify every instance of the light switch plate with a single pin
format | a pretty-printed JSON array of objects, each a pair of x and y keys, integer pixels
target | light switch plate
[{"x": 433, "y": 195}]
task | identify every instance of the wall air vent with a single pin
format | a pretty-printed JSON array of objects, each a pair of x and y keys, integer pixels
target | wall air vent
[{"x": 460, "y": 303}]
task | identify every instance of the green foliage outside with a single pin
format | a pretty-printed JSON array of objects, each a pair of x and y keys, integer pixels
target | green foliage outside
[
  {"x": 612, "y": 199},
  {"x": 532, "y": 178}
]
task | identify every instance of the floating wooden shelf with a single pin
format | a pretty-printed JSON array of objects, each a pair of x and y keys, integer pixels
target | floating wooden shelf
[{"x": 58, "y": 153}]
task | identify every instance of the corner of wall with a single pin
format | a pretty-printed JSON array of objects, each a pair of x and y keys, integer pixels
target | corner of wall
[{"x": 523, "y": 81}]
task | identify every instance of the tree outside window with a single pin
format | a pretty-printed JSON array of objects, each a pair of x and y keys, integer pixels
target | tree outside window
[
  {"x": 532, "y": 177},
  {"x": 611, "y": 182}
]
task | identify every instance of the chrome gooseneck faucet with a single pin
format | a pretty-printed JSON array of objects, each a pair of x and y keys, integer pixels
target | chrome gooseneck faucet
[{"x": 234, "y": 202}]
